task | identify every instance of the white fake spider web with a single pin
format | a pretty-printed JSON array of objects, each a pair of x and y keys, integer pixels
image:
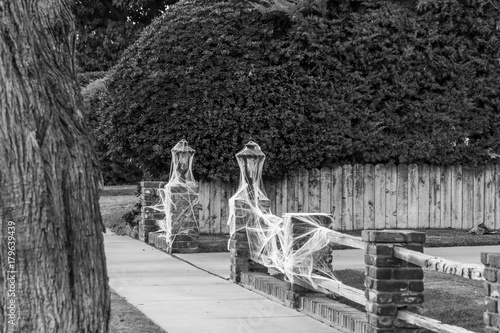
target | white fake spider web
[
  {"x": 179, "y": 198},
  {"x": 296, "y": 245}
]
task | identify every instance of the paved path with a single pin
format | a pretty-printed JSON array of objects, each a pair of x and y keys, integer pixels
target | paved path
[
  {"x": 181, "y": 298},
  {"x": 188, "y": 293}
]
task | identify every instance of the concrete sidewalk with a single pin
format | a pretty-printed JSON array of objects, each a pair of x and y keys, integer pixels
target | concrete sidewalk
[
  {"x": 187, "y": 293},
  {"x": 181, "y": 298}
]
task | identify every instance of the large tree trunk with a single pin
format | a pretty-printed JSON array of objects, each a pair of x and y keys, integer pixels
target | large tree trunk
[{"x": 48, "y": 179}]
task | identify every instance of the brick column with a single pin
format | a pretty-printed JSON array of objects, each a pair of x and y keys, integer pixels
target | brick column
[
  {"x": 391, "y": 284},
  {"x": 492, "y": 288},
  {"x": 149, "y": 216},
  {"x": 184, "y": 214},
  {"x": 239, "y": 248},
  {"x": 250, "y": 191}
]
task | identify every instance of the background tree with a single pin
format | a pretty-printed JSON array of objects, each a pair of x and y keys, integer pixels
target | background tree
[
  {"x": 107, "y": 27},
  {"x": 48, "y": 178}
]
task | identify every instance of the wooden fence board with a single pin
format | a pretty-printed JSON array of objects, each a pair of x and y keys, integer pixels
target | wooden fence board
[
  {"x": 435, "y": 197},
  {"x": 369, "y": 197},
  {"x": 413, "y": 196},
  {"x": 379, "y": 187},
  {"x": 284, "y": 195},
  {"x": 391, "y": 180},
  {"x": 402, "y": 194},
  {"x": 215, "y": 199},
  {"x": 478, "y": 196},
  {"x": 456, "y": 197},
  {"x": 489, "y": 197},
  {"x": 215, "y": 207},
  {"x": 347, "y": 197},
  {"x": 337, "y": 195},
  {"x": 211, "y": 214},
  {"x": 423, "y": 196},
  {"x": 446, "y": 178},
  {"x": 279, "y": 198},
  {"x": 303, "y": 191},
  {"x": 292, "y": 195},
  {"x": 325, "y": 190},
  {"x": 314, "y": 191},
  {"x": 467, "y": 198},
  {"x": 226, "y": 193},
  {"x": 497, "y": 196},
  {"x": 358, "y": 195},
  {"x": 204, "y": 199},
  {"x": 271, "y": 195}
]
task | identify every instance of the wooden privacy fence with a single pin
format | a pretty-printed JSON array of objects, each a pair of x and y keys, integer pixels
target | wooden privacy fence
[{"x": 375, "y": 196}]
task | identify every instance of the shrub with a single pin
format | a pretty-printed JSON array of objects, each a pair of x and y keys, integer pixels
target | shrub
[
  {"x": 84, "y": 79},
  {"x": 115, "y": 169},
  {"x": 371, "y": 82}
]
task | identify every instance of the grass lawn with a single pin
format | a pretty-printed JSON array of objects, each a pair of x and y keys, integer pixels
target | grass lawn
[
  {"x": 125, "y": 318},
  {"x": 447, "y": 298}
]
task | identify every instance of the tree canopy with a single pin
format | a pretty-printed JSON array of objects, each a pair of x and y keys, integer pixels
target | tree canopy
[{"x": 107, "y": 27}]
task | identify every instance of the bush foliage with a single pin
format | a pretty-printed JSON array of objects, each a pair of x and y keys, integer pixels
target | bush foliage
[
  {"x": 369, "y": 82},
  {"x": 115, "y": 169}
]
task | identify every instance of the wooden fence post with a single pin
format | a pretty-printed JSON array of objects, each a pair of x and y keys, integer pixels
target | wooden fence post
[
  {"x": 491, "y": 262},
  {"x": 391, "y": 284}
]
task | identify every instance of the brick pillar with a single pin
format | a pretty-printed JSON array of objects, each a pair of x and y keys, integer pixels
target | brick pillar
[
  {"x": 492, "y": 288},
  {"x": 239, "y": 248},
  {"x": 184, "y": 214},
  {"x": 250, "y": 191},
  {"x": 391, "y": 284},
  {"x": 149, "y": 216}
]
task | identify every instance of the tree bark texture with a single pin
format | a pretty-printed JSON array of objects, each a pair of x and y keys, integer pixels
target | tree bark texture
[{"x": 48, "y": 178}]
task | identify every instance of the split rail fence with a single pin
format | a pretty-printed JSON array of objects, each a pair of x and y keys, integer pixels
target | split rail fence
[{"x": 374, "y": 197}]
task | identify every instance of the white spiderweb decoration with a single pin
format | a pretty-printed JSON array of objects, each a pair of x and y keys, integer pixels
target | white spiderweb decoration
[
  {"x": 179, "y": 198},
  {"x": 296, "y": 245}
]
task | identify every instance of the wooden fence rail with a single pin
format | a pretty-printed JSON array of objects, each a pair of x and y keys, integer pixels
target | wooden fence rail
[{"x": 375, "y": 196}]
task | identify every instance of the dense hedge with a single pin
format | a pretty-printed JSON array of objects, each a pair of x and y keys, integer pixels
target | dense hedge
[
  {"x": 115, "y": 169},
  {"x": 375, "y": 81}
]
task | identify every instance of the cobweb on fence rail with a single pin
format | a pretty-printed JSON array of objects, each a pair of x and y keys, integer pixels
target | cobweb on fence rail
[
  {"x": 179, "y": 197},
  {"x": 296, "y": 245}
]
